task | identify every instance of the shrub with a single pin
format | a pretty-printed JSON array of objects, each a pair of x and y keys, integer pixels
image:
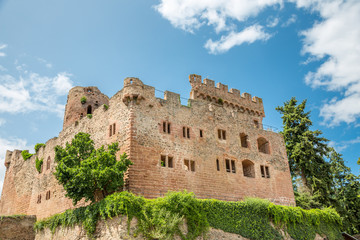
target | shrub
[
  {"x": 38, "y": 164},
  {"x": 26, "y": 155},
  {"x": 106, "y": 107},
  {"x": 89, "y": 116},
  {"x": 220, "y": 101},
  {"x": 161, "y": 218},
  {"x": 38, "y": 146},
  {"x": 83, "y": 100}
]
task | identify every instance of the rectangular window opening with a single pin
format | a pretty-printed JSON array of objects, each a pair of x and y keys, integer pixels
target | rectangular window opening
[
  {"x": 262, "y": 171},
  {"x": 168, "y": 128},
  {"x": 170, "y": 162},
  {"x": 244, "y": 140},
  {"x": 201, "y": 133},
  {"x": 188, "y": 132},
  {"x": 227, "y": 161},
  {"x": 193, "y": 166},
  {"x": 233, "y": 166},
  {"x": 163, "y": 161},
  {"x": 114, "y": 129},
  {"x": 224, "y": 134},
  {"x": 184, "y": 132},
  {"x": 217, "y": 165},
  {"x": 187, "y": 164},
  {"x": 110, "y": 131},
  {"x": 267, "y": 172},
  {"x": 221, "y": 134}
]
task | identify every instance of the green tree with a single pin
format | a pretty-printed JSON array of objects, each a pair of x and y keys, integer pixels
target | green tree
[
  {"x": 346, "y": 187},
  {"x": 89, "y": 173},
  {"x": 306, "y": 151}
]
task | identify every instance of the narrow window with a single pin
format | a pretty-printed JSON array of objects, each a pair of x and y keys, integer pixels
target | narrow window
[
  {"x": 244, "y": 140},
  {"x": 114, "y": 128},
  {"x": 184, "y": 132},
  {"x": 89, "y": 109},
  {"x": 188, "y": 132},
  {"x": 193, "y": 166},
  {"x": 39, "y": 199},
  {"x": 186, "y": 164},
  {"x": 48, "y": 163},
  {"x": 170, "y": 162},
  {"x": 164, "y": 127},
  {"x": 262, "y": 171},
  {"x": 168, "y": 128},
  {"x": 227, "y": 161},
  {"x": 233, "y": 166},
  {"x": 267, "y": 172},
  {"x": 47, "y": 195},
  {"x": 221, "y": 134},
  {"x": 163, "y": 161},
  {"x": 217, "y": 165},
  {"x": 110, "y": 131},
  {"x": 201, "y": 133}
]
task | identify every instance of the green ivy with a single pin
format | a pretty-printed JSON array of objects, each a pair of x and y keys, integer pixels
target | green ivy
[
  {"x": 26, "y": 155},
  {"x": 106, "y": 107},
  {"x": 83, "y": 100},
  {"x": 38, "y": 146},
  {"x": 161, "y": 218},
  {"x": 89, "y": 116},
  {"x": 38, "y": 164}
]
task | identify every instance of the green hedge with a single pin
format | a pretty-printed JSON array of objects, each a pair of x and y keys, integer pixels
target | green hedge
[{"x": 162, "y": 218}]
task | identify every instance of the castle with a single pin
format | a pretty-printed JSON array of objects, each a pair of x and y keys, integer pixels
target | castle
[{"x": 215, "y": 147}]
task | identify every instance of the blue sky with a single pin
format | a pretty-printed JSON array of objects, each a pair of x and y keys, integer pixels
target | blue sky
[{"x": 274, "y": 49}]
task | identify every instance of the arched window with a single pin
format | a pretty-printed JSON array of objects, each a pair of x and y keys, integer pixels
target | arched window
[
  {"x": 48, "y": 163},
  {"x": 89, "y": 110},
  {"x": 263, "y": 145},
  {"x": 248, "y": 168}
]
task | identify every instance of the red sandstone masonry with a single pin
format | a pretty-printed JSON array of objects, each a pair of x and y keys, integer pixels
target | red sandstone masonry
[{"x": 138, "y": 116}]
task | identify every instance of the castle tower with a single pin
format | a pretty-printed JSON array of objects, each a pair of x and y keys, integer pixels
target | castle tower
[{"x": 82, "y": 101}]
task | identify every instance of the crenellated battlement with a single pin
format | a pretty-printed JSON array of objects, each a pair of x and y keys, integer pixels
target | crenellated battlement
[{"x": 206, "y": 90}]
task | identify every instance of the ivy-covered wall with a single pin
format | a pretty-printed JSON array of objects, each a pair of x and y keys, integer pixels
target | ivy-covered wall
[{"x": 163, "y": 218}]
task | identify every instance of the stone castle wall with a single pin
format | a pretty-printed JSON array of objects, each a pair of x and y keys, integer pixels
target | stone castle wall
[{"x": 151, "y": 131}]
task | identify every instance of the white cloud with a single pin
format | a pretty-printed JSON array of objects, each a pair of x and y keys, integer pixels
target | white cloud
[
  {"x": 45, "y": 62},
  {"x": 290, "y": 21},
  {"x": 272, "y": 22},
  {"x": 340, "y": 146},
  {"x": 2, "y": 46},
  {"x": 248, "y": 35},
  {"x": 222, "y": 15},
  {"x": 13, "y": 143},
  {"x": 33, "y": 92},
  {"x": 336, "y": 40}
]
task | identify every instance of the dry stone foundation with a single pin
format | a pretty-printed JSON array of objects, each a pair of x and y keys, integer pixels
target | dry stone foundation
[{"x": 215, "y": 147}]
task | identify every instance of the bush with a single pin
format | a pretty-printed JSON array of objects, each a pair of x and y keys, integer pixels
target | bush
[
  {"x": 83, "y": 100},
  {"x": 38, "y": 146},
  {"x": 89, "y": 116},
  {"x": 106, "y": 107},
  {"x": 38, "y": 164},
  {"x": 220, "y": 101},
  {"x": 26, "y": 155},
  {"x": 161, "y": 218}
]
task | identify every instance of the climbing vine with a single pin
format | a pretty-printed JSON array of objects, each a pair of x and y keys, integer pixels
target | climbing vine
[{"x": 162, "y": 218}]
